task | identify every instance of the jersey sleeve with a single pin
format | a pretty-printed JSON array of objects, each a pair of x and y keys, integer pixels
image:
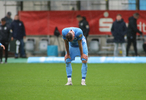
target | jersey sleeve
[
  {"x": 64, "y": 32},
  {"x": 79, "y": 34},
  {"x": 0, "y": 44}
]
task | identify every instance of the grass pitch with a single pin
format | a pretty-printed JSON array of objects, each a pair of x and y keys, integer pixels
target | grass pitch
[{"x": 47, "y": 82}]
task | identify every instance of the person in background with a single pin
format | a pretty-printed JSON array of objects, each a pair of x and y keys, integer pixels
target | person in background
[
  {"x": 18, "y": 33},
  {"x": 83, "y": 25},
  {"x": 118, "y": 30},
  {"x": 8, "y": 18},
  {"x": 5, "y": 35},
  {"x": 131, "y": 33}
]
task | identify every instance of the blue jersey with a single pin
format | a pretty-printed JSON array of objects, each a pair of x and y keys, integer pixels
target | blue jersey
[
  {"x": 0, "y": 44},
  {"x": 78, "y": 36}
]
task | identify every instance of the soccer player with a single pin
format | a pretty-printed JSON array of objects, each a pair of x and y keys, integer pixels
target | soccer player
[
  {"x": 2, "y": 46},
  {"x": 75, "y": 44}
]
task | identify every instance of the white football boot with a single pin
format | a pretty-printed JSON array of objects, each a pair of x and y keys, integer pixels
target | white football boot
[
  {"x": 69, "y": 83},
  {"x": 83, "y": 82}
]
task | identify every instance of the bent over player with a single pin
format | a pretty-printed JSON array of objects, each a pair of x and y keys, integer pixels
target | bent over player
[{"x": 75, "y": 44}]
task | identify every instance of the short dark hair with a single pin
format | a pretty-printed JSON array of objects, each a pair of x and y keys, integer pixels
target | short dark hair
[
  {"x": 119, "y": 15},
  {"x": 69, "y": 36},
  {"x": 3, "y": 19},
  {"x": 136, "y": 14},
  {"x": 9, "y": 13},
  {"x": 78, "y": 16},
  {"x": 84, "y": 17}
]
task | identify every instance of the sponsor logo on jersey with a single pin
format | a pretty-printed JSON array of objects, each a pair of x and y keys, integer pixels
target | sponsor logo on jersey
[{"x": 80, "y": 35}]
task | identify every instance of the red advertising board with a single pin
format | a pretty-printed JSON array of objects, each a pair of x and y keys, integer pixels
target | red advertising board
[{"x": 100, "y": 22}]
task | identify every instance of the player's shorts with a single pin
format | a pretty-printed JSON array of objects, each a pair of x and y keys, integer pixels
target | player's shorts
[{"x": 75, "y": 51}]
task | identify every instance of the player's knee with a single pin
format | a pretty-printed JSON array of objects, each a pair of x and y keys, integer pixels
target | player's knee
[
  {"x": 68, "y": 62},
  {"x": 84, "y": 61}
]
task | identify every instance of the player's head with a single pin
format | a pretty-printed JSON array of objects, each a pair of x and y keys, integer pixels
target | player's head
[
  {"x": 119, "y": 17},
  {"x": 136, "y": 15},
  {"x": 16, "y": 17},
  {"x": 84, "y": 18},
  {"x": 3, "y": 21},
  {"x": 70, "y": 36},
  {"x": 9, "y": 14},
  {"x": 79, "y": 17}
]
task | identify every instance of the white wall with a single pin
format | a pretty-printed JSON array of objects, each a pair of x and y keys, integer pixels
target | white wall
[{"x": 12, "y": 9}]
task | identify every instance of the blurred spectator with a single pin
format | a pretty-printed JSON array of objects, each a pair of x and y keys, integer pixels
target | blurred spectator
[
  {"x": 4, "y": 38},
  {"x": 118, "y": 31},
  {"x": 18, "y": 33},
  {"x": 131, "y": 33},
  {"x": 8, "y": 18},
  {"x": 83, "y": 25}
]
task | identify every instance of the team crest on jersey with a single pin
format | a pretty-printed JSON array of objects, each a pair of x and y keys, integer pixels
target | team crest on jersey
[{"x": 80, "y": 35}]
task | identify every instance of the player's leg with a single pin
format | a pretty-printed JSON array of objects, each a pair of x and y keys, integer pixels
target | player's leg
[
  {"x": 1, "y": 55},
  {"x": 123, "y": 49},
  {"x": 135, "y": 46},
  {"x": 6, "y": 51},
  {"x": 116, "y": 49},
  {"x": 68, "y": 72},
  {"x": 68, "y": 65},
  {"x": 84, "y": 71},
  {"x": 128, "y": 46},
  {"x": 84, "y": 65}
]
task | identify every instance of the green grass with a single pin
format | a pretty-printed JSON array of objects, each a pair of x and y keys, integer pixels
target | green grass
[{"x": 46, "y": 82}]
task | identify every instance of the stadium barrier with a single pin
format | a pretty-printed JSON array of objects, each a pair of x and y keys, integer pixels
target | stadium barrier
[{"x": 90, "y": 60}]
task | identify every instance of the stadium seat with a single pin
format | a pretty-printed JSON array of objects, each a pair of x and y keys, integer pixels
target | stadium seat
[
  {"x": 94, "y": 45},
  {"x": 43, "y": 45},
  {"x": 140, "y": 45},
  {"x": 29, "y": 45}
]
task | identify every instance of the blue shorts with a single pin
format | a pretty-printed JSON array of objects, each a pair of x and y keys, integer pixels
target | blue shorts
[{"x": 75, "y": 51}]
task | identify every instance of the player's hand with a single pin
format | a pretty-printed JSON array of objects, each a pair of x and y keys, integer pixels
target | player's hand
[
  {"x": 67, "y": 56},
  {"x": 3, "y": 46},
  {"x": 84, "y": 56}
]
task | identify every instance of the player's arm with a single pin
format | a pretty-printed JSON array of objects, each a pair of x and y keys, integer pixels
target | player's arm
[
  {"x": 67, "y": 49},
  {"x": 66, "y": 46},
  {"x": 81, "y": 50},
  {"x": 134, "y": 27},
  {"x": 87, "y": 28},
  {"x": 2, "y": 46},
  {"x": 80, "y": 46}
]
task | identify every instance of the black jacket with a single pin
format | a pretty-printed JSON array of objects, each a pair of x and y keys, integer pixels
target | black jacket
[
  {"x": 18, "y": 29},
  {"x": 132, "y": 28},
  {"x": 5, "y": 33},
  {"x": 8, "y": 20},
  {"x": 118, "y": 31},
  {"x": 84, "y": 26}
]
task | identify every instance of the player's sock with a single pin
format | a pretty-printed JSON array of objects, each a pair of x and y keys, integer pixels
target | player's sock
[
  {"x": 84, "y": 70},
  {"x": 69, "y": 79},
  {"x": 68, "y": 70}
]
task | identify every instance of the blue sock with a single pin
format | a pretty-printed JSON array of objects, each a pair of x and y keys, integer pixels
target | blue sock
[
  {"x": 68, "y": 70},
  {"x": 84, "y": 70}
]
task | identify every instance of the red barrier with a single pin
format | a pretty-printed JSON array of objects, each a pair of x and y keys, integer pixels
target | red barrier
[{"x": 44, "y": 22}]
